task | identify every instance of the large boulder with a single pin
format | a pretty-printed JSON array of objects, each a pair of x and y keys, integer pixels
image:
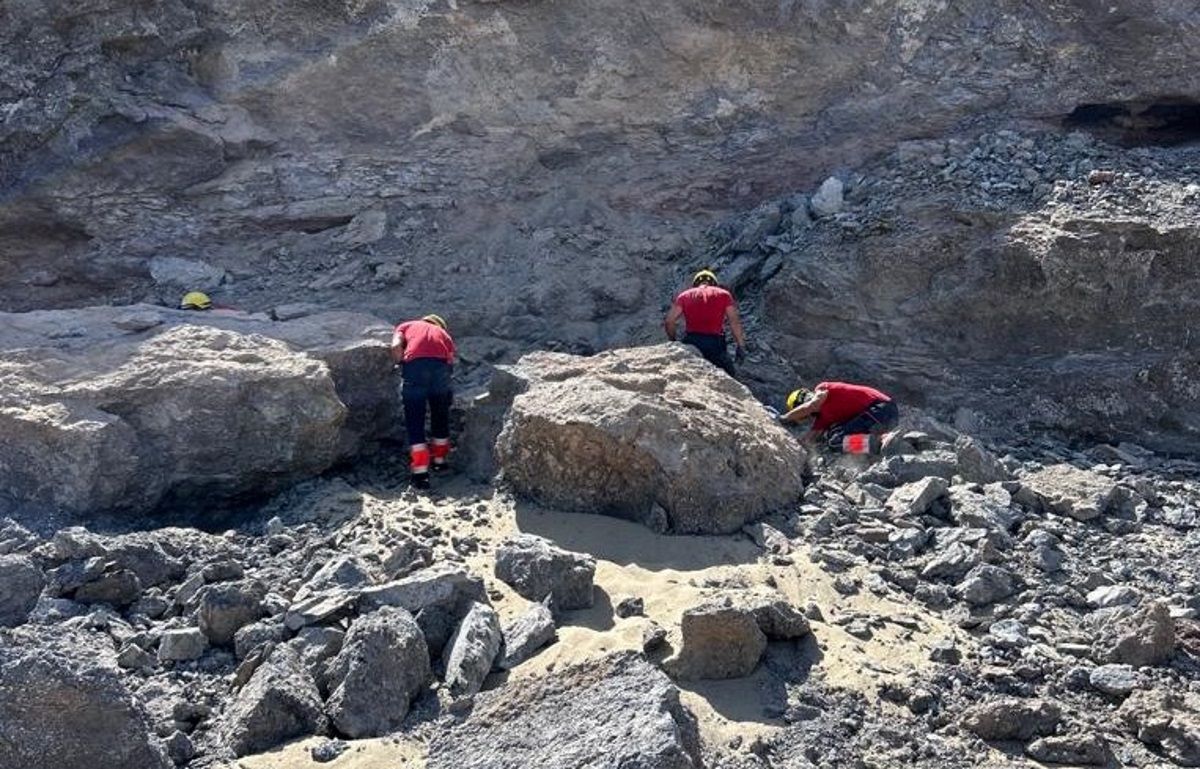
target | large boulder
[
  {"x": 383, "y": 665},
  {"x": 618, "y": 711},
  {"x": 126, "y": 408},
  {"x": 63, "y": 705},
  {"x": 629, "y": 430},
  {"x": 226, "y": 608}
]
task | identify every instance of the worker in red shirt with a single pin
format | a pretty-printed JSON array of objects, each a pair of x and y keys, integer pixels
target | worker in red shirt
[
  {"x": 426, "y": 352},
  {"x": 704, "y": 308},
  {"x": 851, "y": 418}
]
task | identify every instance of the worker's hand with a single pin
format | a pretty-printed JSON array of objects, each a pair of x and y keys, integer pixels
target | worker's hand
[{"x": 739, "y": 354}]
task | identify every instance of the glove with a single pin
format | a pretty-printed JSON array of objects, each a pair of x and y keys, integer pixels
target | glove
[{"x": 739, "y": 354}]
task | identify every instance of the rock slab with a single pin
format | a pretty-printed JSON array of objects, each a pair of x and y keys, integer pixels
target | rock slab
[{"x": 617, "y": 712}]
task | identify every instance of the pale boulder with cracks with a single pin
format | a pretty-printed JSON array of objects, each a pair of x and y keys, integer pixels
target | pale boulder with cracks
[
  {"x": 129, "y": 408},
  {"x": 634, "y": 431}
]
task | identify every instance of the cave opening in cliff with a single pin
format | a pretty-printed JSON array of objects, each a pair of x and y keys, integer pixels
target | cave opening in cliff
[{"x": 1165, "y": 123}]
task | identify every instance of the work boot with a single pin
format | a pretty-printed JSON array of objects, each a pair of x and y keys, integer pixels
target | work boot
[
  {"x": 419, "y": 481},
  {"x": 440, "y": 450}
]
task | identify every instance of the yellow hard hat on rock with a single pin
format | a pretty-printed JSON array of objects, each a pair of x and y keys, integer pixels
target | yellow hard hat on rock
[
  {"x": 436, "y": 320},
  {"x": 195, "y": 300}
]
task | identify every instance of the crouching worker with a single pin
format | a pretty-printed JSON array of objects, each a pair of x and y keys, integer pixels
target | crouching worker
[
  {"x": 426, "y": 352},
  {"x": 849, "y": 418}
]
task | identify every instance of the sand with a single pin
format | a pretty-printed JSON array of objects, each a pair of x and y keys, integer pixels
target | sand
[{"x": 670, "y": 574}]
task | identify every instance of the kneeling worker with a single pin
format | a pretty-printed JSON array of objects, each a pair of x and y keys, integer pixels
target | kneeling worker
[
  {"x": 850, "y": 417},
  {"x": 426, "y": 351},
  {"x": 704, "y": 308}
]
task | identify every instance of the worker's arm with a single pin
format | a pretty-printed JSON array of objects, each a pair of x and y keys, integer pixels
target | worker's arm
[
  {"x": 735, "y": 325},
  {"x": 671, "y": 320},
  {"x": 806, "y": 409},
  {"x": 397, "y": 347}
]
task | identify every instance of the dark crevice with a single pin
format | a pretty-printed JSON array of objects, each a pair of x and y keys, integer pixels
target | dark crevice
[{"x": 1165, "y": 123}]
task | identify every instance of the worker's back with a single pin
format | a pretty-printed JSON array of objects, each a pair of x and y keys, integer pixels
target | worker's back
[{"x": 704, "y": 308}]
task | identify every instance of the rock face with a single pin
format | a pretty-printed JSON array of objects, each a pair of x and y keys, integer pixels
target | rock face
[
  {"x": 537, "y": 569},
  {"x": 618, "y": 711},
  {"x": 383, "y": 664},
  {"x": 21, "y": 582},
  {"x": 626, "y": 430},
  {"x": 63, "y": 705},
  {"x": 95, "y": 417}
]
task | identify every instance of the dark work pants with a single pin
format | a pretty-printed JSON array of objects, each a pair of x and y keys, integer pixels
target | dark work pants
[
  {"x": 426, "y": 383},
  {"x": 713, "y": 348},
  {"x": 879, "y": 417}
]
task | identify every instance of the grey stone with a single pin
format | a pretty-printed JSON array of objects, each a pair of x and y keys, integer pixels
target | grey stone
[
  {"x": 631, "y": 606},
  {"x": 179, "y": 748},
  {"x": 249, "y": 637},
  {"x": 21, "y": 583},
  {"x": 438, "y": 585},
  {"x": 1106, "y": 596},
  {"x": 1117, "y": 680},
  {"x": 382, "y": 666},
  {"x": 536, "y": 569},
  {"x": 978, "y": 465},
  {"x": 1168, "y": 722},
  {"x": 279, "y": 702},
  {"x": 828, "y": 199},
  {"x": 1072, "y": 749},
  {"x": 1141, "y": 638},
  {"x": 719, "y": 640},
  {"x": 1009, "y": 718},
  {"x": 986, "y": 584},
  {"x": 181, "y": 645},
  {"x": 625, "y": 430},
  {"x": 119, "y": 588},
  {"x": 952, "y": 562},
  {"x": 917, "y": 497},
  {"x": 134, "y": 657},
  {"x": 184, "y": 275},
  {"x": 618, "y": 711},
  {"x": 1009, "y": 634},
  {"x": 319, "y": 608},
  {"x": 472, "y": 651},
  {"x": 227, "y": 607},
  {"x": 63, "y": 705},
  {"x": 328, "y": 750},
  {"x": 526, "y": 635},
  {"x": 1066, "y": 490}
]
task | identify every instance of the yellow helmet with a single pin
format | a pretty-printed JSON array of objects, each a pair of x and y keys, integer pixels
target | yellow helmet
[
  {"x": 704, "y": 276},
  {"x": 436, "y": 320},
  {"x": 797, "y": 397},
  {"x": 195, "y": 300}
]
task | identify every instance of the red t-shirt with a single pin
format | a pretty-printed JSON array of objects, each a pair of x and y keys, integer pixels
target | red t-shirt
[
  {"x": 844, "y": 402},
  {"x": 423, "y": 339},
  {"x": 704, "y": 309}
]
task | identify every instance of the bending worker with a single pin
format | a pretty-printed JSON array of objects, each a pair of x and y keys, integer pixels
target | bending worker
[
  {"x": 850, "y": 418},
  {"x": 704, "y": 308},
  {"x": 426, "y": 351}
]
